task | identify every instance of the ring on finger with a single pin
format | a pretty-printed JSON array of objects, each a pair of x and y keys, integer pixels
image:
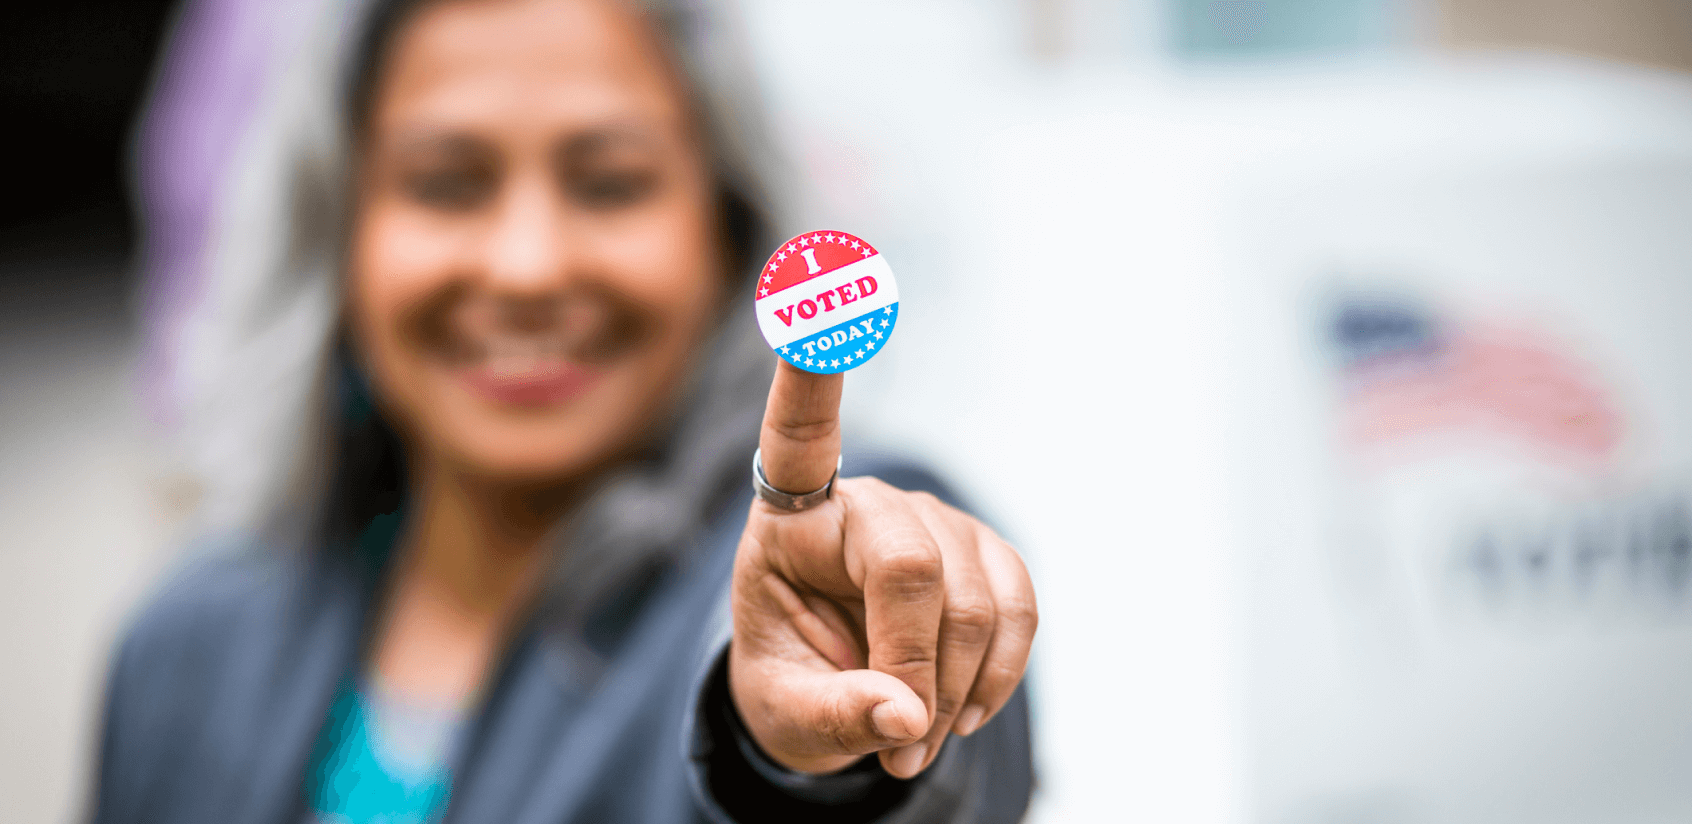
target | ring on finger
[{"x": 788, "y": 501}]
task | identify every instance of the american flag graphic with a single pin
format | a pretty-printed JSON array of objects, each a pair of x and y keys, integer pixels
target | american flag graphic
[{"x": 1406, "y": 374}]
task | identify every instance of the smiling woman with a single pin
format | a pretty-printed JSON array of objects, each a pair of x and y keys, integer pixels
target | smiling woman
[{"x": 492, "y": 578}]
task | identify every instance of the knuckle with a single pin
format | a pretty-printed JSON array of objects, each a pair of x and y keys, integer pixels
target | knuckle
[
  {"x": 871, "y": 486},
  {"x": 971, "y": 616},
  {"x": 909, "y": 558},
  {"x": 805, "y": 430},
  {"x": 835, "y": 725},
  {"x": 1005, "y": 675},
  {"x": 907, "y": 655},
  {"x": 1021, "y": 612},
  {"x": 954, "y": 518},
  {"x": 924, "y": 498},
  {"x": 946, "y": 704}
]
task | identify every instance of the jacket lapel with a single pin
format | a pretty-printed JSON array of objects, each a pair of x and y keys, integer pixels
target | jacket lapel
[{"x": 299, "y": 673}]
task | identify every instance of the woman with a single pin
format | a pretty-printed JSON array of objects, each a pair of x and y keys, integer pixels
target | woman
[{"x": 498, "y": 419}]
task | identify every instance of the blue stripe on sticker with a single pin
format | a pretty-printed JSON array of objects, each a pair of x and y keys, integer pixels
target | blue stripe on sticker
[{"x": 844, "y": 346}]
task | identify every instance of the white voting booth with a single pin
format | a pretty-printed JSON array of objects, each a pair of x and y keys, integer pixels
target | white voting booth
[
  {"x": 1443, "y": 309},
  {"x": 1462, "y": 404}
]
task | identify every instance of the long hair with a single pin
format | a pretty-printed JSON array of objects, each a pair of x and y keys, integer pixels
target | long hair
[{"x": 277, "y": 424}]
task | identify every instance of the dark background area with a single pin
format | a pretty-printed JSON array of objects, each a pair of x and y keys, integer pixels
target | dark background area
[{"x": 73, "y": 74}]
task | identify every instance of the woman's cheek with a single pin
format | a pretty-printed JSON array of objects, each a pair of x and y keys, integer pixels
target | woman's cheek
[
  {"x": 394, "y": 267},
  {"x": 409, "y": 253}
]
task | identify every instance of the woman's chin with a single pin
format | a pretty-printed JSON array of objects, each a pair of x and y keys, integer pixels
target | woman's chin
[
  {"x": 533, "y": 441},
  {"x": 538, "y": 423},
  {"x": 503, "y": 459}
]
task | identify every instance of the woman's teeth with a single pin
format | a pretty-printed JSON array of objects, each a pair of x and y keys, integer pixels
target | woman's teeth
[{"x": 523, "y": 356}]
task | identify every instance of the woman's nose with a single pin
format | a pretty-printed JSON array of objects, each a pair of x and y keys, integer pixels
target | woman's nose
[{"x": 528, "y": 250}]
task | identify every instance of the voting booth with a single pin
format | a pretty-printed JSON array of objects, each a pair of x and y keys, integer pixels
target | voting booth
[
  {"x": 1464, "y": 419},
  {"x": 1369, "y": 393}
]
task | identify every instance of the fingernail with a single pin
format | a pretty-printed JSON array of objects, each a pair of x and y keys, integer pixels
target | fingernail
[
  {"x": 886, "y": 719},
  {"x": 908, "y": 760},
  {"x": 969, "y": 719}
]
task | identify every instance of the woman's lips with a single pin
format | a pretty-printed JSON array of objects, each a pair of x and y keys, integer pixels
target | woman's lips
[{"x": 540, "y": 383}]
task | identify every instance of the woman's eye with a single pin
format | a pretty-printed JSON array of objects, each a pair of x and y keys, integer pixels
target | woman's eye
[
  {"x": 451, "y": 189},
  {"x": 612, "y": 189}
]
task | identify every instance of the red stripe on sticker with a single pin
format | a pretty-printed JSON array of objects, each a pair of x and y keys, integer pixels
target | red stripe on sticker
[{"x": 808, "y": 256}]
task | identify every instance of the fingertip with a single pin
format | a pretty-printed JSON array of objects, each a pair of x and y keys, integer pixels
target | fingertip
[
  {"x": 906, "y": 762},
  {"x": 889, "y": 723},
  {"x": 970, "y": 719},
  {"x": 900, "y": 719}
]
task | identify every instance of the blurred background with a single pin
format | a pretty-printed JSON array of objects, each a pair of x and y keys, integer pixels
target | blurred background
[{"x": 1329, "y": 359}]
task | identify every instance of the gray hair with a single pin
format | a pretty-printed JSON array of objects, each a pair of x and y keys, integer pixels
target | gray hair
[{"x": 257, "y": 358}]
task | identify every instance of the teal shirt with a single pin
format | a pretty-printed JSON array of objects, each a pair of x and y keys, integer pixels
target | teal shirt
[{"x": 380, "y": 760}]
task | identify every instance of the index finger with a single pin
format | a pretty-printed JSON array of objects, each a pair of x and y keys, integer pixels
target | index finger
[
  {"x": 896, "y": 559},
  {"x": 800, "y": 440}
]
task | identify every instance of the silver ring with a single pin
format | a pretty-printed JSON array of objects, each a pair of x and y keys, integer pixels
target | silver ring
[{"x": 786, "y": 500}]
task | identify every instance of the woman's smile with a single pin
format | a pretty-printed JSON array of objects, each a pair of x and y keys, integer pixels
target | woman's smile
[
  {"x": 534, "y": 353},
  {"x": 528, "y": 372}
]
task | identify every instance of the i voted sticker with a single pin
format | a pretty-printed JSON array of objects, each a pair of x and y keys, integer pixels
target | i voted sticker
[{"x": 826, "y": 302}]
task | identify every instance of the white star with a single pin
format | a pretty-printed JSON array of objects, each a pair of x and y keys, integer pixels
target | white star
[
  {"x": 791, "y": 249},
  {"x": 870, "y": 344},
  {"x": 877, "y": 337},
  {"x": 867, "y": 253},
  {"x": 856, "y": 245},
  {"x": 829, "y": 238},
  {"x": 887, "y": 311},
  {"x": 767, "y": 278},
  {"x": 808, "y": 362},
  {"x": 804, "y": 241},
  {"x": 884, "y": 324},
  {"x": 763, "y": 293},
  {"x": 860, "y": 354},
  {"x": 836, "y": 363},
  {"x": 780, "y": 256},
  {"x": 814, "y": 239},
  {"x": 848, "y": 358},
  {"x": 785, "y": 351}
]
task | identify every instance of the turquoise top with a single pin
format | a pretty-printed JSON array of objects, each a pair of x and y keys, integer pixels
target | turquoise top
[{"x": 381, "y": 760}]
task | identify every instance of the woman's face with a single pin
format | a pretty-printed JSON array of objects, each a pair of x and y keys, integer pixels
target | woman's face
[{"x": 535, "y": 253}]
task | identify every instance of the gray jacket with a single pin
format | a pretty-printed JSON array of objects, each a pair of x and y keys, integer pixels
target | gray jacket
[{"x": 220, "y": 689}]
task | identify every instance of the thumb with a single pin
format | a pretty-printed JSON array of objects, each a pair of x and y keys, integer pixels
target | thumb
[
  {"x": 800, "y": 440},
  {"x": 823, "y": 716}
]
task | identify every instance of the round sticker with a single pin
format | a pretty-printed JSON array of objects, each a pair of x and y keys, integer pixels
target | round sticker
[{"x": 827, "y": 302}]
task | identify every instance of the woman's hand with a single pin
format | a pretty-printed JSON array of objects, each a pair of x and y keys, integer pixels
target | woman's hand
[{"x": 880, "y": 621}]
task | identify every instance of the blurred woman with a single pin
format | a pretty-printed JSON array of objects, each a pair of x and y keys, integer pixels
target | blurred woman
[{"x": 476, "y": 397}]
